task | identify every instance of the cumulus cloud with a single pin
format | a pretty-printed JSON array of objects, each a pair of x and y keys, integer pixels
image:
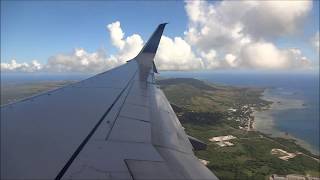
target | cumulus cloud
[
  {"x": 21, "y": 67},
  {"x": 128, "y": 47},
  {"x": 223, "y": 34},
  {"x": 209, "y": 59},
  {"x": 275, "y": 18},
  {"x": 240, "y": 32},
  {"x": 233, "y": 19},
  {"x": 133, "y": 44},
  {"x": 116, "y": 34},
  {"x": 81, "y": 61},
  {"x": 264, "y": 55},
  {"x": 176, "y": 54},
  {"x": 231, "y": 60}
]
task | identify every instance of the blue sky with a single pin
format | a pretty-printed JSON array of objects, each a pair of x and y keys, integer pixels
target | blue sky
[{"x": 38, "y": 30}]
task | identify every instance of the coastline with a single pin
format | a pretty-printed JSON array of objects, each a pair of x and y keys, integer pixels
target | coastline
[{"x": 264, "y": 121}]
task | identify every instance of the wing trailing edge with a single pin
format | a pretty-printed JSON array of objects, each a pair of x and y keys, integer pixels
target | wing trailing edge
[{"x": 197, "y": 144}]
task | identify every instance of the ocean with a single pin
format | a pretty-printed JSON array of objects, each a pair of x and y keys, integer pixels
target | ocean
[{"x": 296, "y": 112}]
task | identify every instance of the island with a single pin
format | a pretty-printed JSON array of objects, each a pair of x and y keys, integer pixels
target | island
[{"x": 222, "y": 117}]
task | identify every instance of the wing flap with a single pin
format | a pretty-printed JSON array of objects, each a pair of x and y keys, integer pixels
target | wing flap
[
  {"x": 145, "y": 170},
  {"x": 197, "y": 144}
]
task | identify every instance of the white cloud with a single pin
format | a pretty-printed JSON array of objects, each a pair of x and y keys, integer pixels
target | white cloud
[
  {"x": 264, "y": 55},
  {"x": 116, "y": 34},
  {"x": 128, "y": 47},
  {"x": 231, "y": 60},
  {"x": 275, "y": 18},
  {"x": 260, "y": 19},
  {"x": 224, "y": 34},
  {"x": 176, "y": 54},
  {"x": 132, "y": 46},
  {"x": 209, "y": 59},
  {"x": 81, "y": 61},
  {"x": 238, "y": 31},
  {"x": 22, "y": 67}
]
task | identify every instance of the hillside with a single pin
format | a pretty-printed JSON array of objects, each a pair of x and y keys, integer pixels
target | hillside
[
  {"x": 200, "y": 96},
  {"x": 204, "y": 111}
]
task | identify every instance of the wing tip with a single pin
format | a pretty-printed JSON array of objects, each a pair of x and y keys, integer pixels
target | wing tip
[{"x": 152, "y": 44}]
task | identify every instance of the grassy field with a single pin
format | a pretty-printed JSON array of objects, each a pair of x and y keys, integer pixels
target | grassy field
[{"x": 203, "y": 111}]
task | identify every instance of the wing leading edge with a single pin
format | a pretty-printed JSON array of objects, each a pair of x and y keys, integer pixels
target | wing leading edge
[{"x": 115, "y": 125}]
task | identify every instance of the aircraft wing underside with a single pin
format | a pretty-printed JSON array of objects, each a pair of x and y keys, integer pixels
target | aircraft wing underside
[{"x": 115, "y": 125}]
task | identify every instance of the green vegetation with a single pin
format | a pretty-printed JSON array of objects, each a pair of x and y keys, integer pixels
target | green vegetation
[
  {"x": 203, "y": 110},
  {"x": 204, "y": 97}
]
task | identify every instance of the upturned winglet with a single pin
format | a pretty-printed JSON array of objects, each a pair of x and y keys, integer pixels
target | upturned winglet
[
  {"x": 145, "y": 58},
  {"x": 152, "y": 44}
]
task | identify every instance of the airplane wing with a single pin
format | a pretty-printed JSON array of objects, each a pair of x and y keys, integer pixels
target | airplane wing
[{"x": 115, "y": 125}]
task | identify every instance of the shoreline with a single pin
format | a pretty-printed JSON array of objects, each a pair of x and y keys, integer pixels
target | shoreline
[{"x": 264, "y": 121}]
